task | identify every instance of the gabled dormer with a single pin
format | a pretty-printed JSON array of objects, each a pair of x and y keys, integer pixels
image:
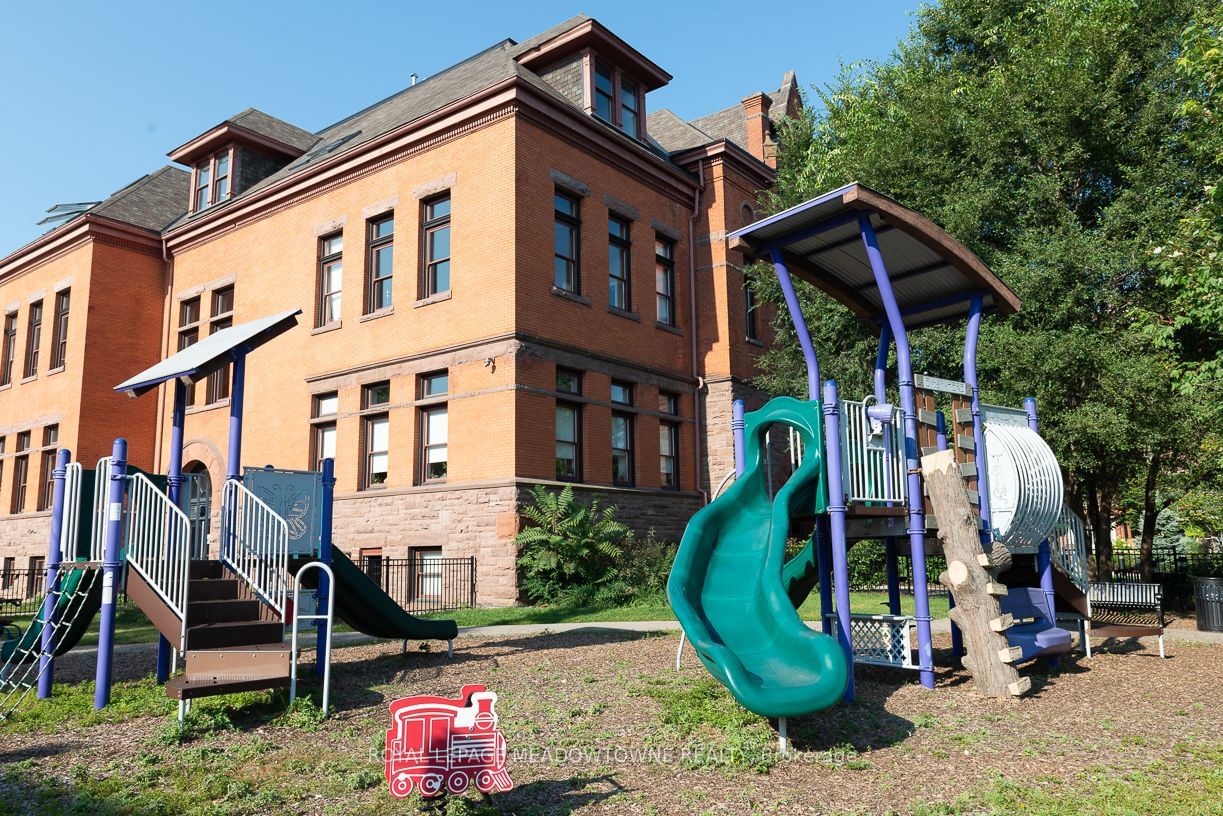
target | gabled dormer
[
  {"x": 600, "y": 73},
  {"x": 237, "y": 154}
]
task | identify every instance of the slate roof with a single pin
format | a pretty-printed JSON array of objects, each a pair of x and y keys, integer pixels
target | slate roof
[
  {"x": 278, "y": 129},
  {"x": 729, "y": 123},
  {"x": 151, "y": 202}
]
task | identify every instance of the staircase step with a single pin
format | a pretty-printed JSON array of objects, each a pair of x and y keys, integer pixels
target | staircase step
[
  {"x": 212, "y": 589},
  {"x": 234, "y": 634},
  {"x": 222, "y": 611},
  {"x": 193, "y": 686},
  {"x": 205, "y": 569},
  {"x": 263, "y": 659}
]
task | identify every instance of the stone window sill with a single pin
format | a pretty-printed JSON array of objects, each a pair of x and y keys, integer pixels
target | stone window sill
[
  {"x": 389, "y": 310},
  {"x": 440, "y": 297},
  {"x": 573, "y": 296},
  {"x": 327, "y": 327},
  {"x": 6, "y": 386},
  {"x": 624, "y": 313},
  {"x": 57, "y": 370},
  {"x": 667, "y": 327},
  {"x": 199, "y": 409},
  {"x": 28, "y": 379},
  {"x": 751, "y": 341}
]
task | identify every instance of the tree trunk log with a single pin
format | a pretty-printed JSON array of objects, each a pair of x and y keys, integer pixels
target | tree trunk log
[{"x": 974, "y": 586}]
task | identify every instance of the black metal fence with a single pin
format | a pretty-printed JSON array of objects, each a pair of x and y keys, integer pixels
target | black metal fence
[
  {"x": 1174, "y": 570},
  {"x": 25, "y": 586},
  {"x": 423, "y": 583}
]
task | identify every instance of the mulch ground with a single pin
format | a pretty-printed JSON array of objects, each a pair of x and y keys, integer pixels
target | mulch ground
[{"x": 586, "y": 736}]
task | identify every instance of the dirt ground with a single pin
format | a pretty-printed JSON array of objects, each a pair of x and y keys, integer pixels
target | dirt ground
[{"x": 599, "y": 722}]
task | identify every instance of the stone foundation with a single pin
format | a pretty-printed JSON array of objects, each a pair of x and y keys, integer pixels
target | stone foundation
[{"x": 24, "y": 536}]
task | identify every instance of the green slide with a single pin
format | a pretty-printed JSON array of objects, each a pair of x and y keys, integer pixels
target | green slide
[
  {"x": 726, "y": 585},
  {"x": 362, "y": 604},
  {"x": 79, "y": 601}
]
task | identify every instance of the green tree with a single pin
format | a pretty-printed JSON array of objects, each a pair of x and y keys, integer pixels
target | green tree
[{"x": 1040, "y": 135}]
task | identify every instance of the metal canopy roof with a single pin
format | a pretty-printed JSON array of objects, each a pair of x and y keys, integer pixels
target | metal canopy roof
[
  {"x": 210, "y": 354},
  {"x": 933, "y": 275}
]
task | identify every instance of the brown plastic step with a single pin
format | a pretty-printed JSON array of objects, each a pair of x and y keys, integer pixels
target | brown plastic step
[
  {"x": 221, "y": 611},
  {"x": 265, "y": 659},
  {"x": 194, "y": 686},
  {"x": 205, "y": 569},
  {"x": 212, "y": 589},
  {"x": 234, "y": 634}
]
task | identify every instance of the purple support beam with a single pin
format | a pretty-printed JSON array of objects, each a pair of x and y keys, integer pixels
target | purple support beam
[
  {"x": 823, "y": 563},
  {"x": 940, "y": 441},
  {"x": 236, "y": 393},
  {"x": 889, "y": 554},
  {"x": 46, "y": 660},
  {"x": 736, "y": 432},
  {"x": 174, "y": 485},
  {"x": 800, "y": 325},
  {"x": 324, "y": 555},
  {"x": 836, "y": 522},
  {"x": 978, "y": 434},
  {"x": 917, "y": 520},
  {"x": 881, "y": 396},
  {"x": 1044, "y": 558},
  {"x": 110, "y": 571}
]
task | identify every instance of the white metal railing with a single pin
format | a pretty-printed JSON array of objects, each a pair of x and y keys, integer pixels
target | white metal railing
[
  {"x": 1068, "y": 548},
  {"x": 255, "y": 544},
  {"x": 1025, "y": 486},
  {"x": 298, "y": 617},
  {"x": 157, "y": 543},
  {"x": 71, "y": 511},
  {"x": 872, "y": 454},
  {"x": 97, "y": 533}
]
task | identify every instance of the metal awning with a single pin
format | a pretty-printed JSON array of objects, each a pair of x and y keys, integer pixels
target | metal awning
[
  {"x": 210, "y": 354},
  {"x": 934, "y": 276}
]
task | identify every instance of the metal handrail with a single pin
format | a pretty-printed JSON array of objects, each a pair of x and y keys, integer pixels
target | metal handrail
[
  {"x": 873, "y": 455},
  {"x": 255, "y": 544},
  {"x": 328, "y": 616},
  {"x": 97, "y": 534},
  {"x": 157, "y": 543},
  {"x": 72, "y": 512},
  {"x": 1068, "y": 548}
]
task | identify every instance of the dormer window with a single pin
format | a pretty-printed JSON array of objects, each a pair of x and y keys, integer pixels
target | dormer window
[
  {"x": 212, "y": 181},
  {"x": 617, "y": 98}
]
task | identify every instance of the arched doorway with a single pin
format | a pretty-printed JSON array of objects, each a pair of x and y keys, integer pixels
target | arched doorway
[{"x": 197, "y": 504}]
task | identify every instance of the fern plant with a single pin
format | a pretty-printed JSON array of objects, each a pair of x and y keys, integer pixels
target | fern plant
[{"x": 571, "y": 552}]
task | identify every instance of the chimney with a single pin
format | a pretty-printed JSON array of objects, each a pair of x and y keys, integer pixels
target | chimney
[{"x": 756, "y": 114}]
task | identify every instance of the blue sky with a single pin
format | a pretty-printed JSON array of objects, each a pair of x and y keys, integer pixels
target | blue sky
[{"x": 93, "y": 94}]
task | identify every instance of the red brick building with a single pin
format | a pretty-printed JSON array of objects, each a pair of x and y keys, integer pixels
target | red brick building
[{"x": 511, "y": 273}]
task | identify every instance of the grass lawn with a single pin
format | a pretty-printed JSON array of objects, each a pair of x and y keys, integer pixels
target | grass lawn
[
  {"x": 131, "y": 626},
  {"x": 863, "y": 602}
]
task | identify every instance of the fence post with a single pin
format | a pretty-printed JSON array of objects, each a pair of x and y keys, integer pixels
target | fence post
[
  {"x": 110, "y": 571},
  {"x": 46, "y": 660}
]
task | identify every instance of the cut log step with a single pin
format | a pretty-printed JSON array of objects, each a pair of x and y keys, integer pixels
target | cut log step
[
  {"x": 1010, "y": 654},
  {"x": 1020, "y": 686},
  {"x": 1001, "y": 623},
  {"x": 997, "y": 590}
]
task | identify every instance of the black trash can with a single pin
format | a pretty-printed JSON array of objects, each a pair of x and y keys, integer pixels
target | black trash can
[{"x": 1208, "y": 599}]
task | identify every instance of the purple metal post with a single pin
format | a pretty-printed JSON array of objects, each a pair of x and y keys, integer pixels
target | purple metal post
[
  {"x": 324, "y": 555},
  {"x": 836, "y": 523},
  {"x": 736, "y": 431},
  {"x": 889, "y": 554},
  {"x": 174, "y": 484},
  {"x": 236, "y": 393},
  {"x": 46, "y": 660},
  {"x": 823, "y": 563},
  {"x": 800, "y": 325},
  {"x": 940, "y": 441},
  {"x": 110, "y": 571},
  {"x": 881, "y": 394},
  {"x": 917, "y": 521},
  {"x": 978, "y": 434},
  {"x": 1044, "y": 557}
]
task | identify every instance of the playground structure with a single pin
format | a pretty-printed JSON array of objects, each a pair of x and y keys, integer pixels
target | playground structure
[
  {"x": 858, "y": 476},
  {"x": 225, "y": 617}
]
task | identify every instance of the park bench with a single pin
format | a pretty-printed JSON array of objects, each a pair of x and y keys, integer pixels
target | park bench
[{"x": 1125, "y": 610}]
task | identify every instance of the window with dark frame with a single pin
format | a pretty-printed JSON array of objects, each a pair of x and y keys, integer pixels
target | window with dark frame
[
  {"x": 749, "y": 310},
  {"x": 605, "y": 92},
  {"x": 619, "y": 264},
  {"x": 37, "y": 567},
  {"x": 622, "y": 434},
  {"x": 6, "y": 576},
  {"x": 379, "y": 263},
  {"x": 50, "y": 441},
  {"x": 330, "y": 279},
  {"x": 203, "y": 185},
  {"x": 427, "y": 573},
  {"x": 567, "y": 241},
  {"x": 323, "y": 411},
  {"x": 628, "y": 106},
  {"x": 221, "y": 317},
  {"x": 668, "y": 453},
  {"x": 220, "y": 183},
  {"x": 10, "y": 348},
  {"x": 434, "y": 427},
  {"x": 621, "y": 392},
  {"x": 375, "y": 434},
  {"x": 568, "y": 426},
  {"x": 59, "y": 331},
  {"x": 213, "y": 180},
  {"x": 33, "y": 339},
  {"x": 21, "y": 472},
  {"x": 664, "y": 280},
  {"x": 435, "y": 243},
  {"x": 189, "y": 332},
  {"x": 3, "y": 441}
]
